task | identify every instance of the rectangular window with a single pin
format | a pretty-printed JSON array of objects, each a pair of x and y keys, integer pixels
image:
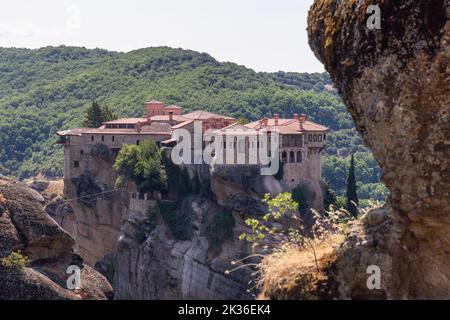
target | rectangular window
[
  {"x": 76, "y": 164},
  {"x": 81, "y": 152}
]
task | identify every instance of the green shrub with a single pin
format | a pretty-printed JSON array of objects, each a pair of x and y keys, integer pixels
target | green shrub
[
  {"x": 303, "y": 197},
  {"x": 177, "y": 220},
  {"x": 15, "y": 261},
  {"x": 142, "y": 165},
  {"x": 177, "y": 178},
  {"x": 219, "y": 229}
]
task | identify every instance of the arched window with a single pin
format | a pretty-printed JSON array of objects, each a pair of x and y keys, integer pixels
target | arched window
[
  {"x": 320, "y": 138},
  {"x": 137, "y": 142},
  {"x": 284, "y": 157},
  {"x": 315, "y": 138},
  {"x": 113, "y": 139},
  {"x": 292, "y": 157},
  {"x": 92, "y": 138},
  {"x": 103, "y": 138},
  {"x": 299, "y": 156}
]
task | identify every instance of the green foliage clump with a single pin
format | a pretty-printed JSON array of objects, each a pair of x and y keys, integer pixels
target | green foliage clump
[
  {"x": 219, "y": 229},
  {"x": 96, "y": 115},
  {"x": 177, "y": 178},
  {"x": 302, "y": 196},
  {"x": 352, "y": 191},
  {"x": 15, "y": 261},
  {"x": 177, "y": 220},
  {"x": 330, "y": 198},
  {"x": 335, "y": 172},
  {"x": 142, "y": 165},
  {"x": 277, "y": 208}
]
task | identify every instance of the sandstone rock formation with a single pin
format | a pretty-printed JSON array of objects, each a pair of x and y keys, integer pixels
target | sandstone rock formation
[
  {"x": 164, "y": 267},
  {"x": 93, "y": 221},
  {"x": 396, "y": 84},
  {"x": 25, "y": 226}
]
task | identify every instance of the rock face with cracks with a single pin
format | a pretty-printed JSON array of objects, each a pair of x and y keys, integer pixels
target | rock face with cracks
[
  {"x": 396, "y": 84},
  {"x": 26, "y": 227}
]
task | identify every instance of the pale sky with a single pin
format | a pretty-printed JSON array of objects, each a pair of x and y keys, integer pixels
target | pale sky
[{"x": 265, "y": 35}]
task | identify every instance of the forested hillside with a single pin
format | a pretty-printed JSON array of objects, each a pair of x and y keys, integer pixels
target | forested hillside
[{"x": 46, "y": 90}]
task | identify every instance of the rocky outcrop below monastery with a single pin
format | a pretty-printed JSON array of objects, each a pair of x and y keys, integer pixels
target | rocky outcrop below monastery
[
  {"x": 192, "y": 243},
  {"x": 26, "y": 228},
  {"x": 395, "y": 82}
]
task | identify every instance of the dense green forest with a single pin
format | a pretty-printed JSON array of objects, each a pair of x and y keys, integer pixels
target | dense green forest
[{"x": 46, "y": 90}]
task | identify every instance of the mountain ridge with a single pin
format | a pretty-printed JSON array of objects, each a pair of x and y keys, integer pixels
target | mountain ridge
[{"x": 45, "y": 90}]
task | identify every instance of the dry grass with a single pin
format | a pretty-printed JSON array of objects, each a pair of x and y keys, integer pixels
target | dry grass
[
  {"x": 291, "y": 273},
  {"x": 55, "y": 189}
]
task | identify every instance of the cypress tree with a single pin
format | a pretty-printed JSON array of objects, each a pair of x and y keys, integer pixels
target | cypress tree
[
  {"x": 96, "y": 115},
  {"x": 352, "y": 192}
]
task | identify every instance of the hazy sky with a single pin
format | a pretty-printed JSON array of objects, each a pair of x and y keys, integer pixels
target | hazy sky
[{"x": 266, "y": 35}]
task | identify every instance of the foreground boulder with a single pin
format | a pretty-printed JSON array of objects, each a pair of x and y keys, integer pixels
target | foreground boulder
[
  {"x": 25, "y": 227},
  {"x": 396, "y": 84}
]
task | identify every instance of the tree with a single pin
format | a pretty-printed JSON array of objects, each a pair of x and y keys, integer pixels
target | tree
[
  {"x": 142, "y": 165},
  {"x": 330, "y": 198},
  {"x": 277, "y": 208},
  {"x": 352, "y": 192},
  {"x": 96, "y": 115}
]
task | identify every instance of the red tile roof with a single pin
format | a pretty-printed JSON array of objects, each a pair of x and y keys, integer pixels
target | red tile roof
[
  {"x": 177, "y": 118},
  {"x": 182, "y": 124},
  {"x": 289, "y": 126},
  {"x": 173, "y": 106},
  {"x": 152, "y": 129},
  {"x": 205, "y": 115}
]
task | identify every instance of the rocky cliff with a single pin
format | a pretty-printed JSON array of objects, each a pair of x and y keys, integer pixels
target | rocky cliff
[
  {"x": 396, "y": 83},
  {"x": 95, "y": 209},
  {"x": 26, "y": 227},
  {"x": 187, "y": 249}
]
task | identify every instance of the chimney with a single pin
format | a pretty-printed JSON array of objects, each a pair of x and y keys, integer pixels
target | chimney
[
  {"x": 170, "y": 115},
  {"x": 302, "y": 120},
  {"x": 276, "y": 117},
  {"x": 263, "y": 122},
  {"x": 295, "y": 116}
]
